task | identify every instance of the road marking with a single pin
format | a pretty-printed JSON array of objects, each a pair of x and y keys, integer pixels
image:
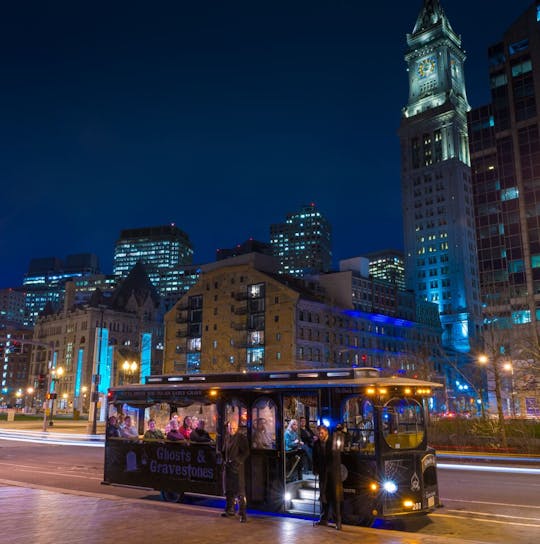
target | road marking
[
  {"x": 484, "y": 468},
  {"x": 490, "y": 514},
  {"x": 505, "y": 505},
  {"x": 487, "y": 520}
]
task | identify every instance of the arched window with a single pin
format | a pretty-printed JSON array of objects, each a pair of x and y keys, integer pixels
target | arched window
[
  {"x": 236, "y": 410},
  {"x": 263, "y": 424},
  {"x": 403, "y": 423}
]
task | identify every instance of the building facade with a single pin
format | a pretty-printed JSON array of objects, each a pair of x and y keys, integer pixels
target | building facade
[
  {"x": 12, "y": 307},
  {"x": 97, "y": 338},
  {"x": 439, "y": 229},
  {"x": 44, "y": 283},
  {"x": 164, "y": 251},
  {"x": 244, "y": 316},
  {"x": 303, "y": 244},
  {"x": 505, "y": 156},
  {"x": 387, "y": 265},
  {"x": 14, "y": 365}
]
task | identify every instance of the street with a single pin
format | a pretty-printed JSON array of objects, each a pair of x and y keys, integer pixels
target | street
[{"x": 496, "y": 507}]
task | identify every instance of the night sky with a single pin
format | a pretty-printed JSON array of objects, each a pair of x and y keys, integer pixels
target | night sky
[{"x": 219, "y": 116}]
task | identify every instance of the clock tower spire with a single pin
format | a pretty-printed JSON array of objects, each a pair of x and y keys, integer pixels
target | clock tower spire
[{"x": 439, "y": 229}]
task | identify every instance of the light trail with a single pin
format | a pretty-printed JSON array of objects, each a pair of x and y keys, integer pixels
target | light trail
[
  {"x": 57, "y": 439},
  {"x": 486, "y": 468}
]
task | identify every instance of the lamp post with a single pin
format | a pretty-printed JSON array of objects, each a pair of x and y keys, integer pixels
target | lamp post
[
  {"x": 84, "y": 391},
  {"x": 29, "y": 393},
  {"x": 18, "y": 397},
  {"x": 494, "y": 365},
  {"x": 55, "y": 374},
  {"x": 510, "y": 368},
  {"x": 129, "y": 370}
]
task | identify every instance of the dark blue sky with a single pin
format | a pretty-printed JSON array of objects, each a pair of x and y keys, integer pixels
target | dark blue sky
[{"x": 219, "y": 116}]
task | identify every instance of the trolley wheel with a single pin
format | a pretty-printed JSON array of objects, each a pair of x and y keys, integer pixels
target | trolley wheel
[
  {"x": 367, "y": 520},
  {"x": 172, "y": 496}
]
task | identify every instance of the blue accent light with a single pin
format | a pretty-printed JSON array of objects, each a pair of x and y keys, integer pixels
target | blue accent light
[
  {"x": 53, "y": 365},
  {"x": 103, "y": 363},
  {"x": 146, "y": 355},
  {"x": 78, "y": 374},
  {"x": 379, "y": 318}
]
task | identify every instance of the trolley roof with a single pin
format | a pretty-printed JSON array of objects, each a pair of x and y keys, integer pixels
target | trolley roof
[{"x": 297, "y": 379}]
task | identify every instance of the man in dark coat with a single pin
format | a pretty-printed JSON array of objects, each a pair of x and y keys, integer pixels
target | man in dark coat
[
  {"x": 235, "y": 452},
  {"x": 327, "y": 465}
]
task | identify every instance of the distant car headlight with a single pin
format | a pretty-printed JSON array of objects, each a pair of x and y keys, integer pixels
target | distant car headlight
[{"x": 389, "y": 486}]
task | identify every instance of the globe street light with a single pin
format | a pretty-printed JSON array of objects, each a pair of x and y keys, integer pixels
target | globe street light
[
  {"x": 29, "y": 393},
  {"x": 510, "y": 368},
  {"x": 129, "y": 369},
  {"x": 495, "y": 367},
  {"x": 84, "y": 391},
  {"x": 56, "y": 374}
]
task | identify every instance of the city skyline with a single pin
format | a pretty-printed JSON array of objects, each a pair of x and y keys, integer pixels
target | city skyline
[{"x": 220, "y": 121}]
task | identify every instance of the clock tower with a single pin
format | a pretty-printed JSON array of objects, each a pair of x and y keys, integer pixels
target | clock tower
[{"x": 438, "y": 215}]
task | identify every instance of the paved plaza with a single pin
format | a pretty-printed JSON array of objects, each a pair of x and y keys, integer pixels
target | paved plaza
[{"x": 48, "y": 516}]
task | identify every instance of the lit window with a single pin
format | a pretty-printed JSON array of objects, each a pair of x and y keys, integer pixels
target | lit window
[{"x": 509, "y": 194}]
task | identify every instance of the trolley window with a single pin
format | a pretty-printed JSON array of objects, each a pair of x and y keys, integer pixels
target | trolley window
[
  {"x": 263, "y": 417},
  {"x": 358, "y": 420},
  {"x": 403, "y": 425},
  {"x": 236, "y": 410}
]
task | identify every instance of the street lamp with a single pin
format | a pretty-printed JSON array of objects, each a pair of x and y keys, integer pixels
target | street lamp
[
  {"x": 129, "y": 369},
  {"x": 84, "y": 391},
  {"x": 55, "y": 374},
  {"x": 496, "y": 369},
  {"x": 510, "y": 368},
  {"x": 29, "y": 393}
]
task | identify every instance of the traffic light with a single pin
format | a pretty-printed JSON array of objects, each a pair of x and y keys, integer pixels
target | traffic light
[
  {"x": 364, "y": 358},
  {"x": 16, "y": 347},
  {"x": 41, "y": 381}
]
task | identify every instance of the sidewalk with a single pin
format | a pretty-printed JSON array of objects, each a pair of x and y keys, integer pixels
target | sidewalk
[
  {"x": 60, "y": 424},
  {"x": 49, "y": 516}
]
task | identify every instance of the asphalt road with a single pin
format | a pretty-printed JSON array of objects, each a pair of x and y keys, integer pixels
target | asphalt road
[{"x": 497, "y": 507}]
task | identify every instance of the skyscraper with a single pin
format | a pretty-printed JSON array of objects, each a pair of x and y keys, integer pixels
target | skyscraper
[
  {"x": 303, "y": 244},
  {"x": 46, "y": 277},
  {"x": 439, "y": 230},
  {"x": 387, "y": 265},
  {"x": 505, "y": 151},
  {"x": 162, "y": 250}
]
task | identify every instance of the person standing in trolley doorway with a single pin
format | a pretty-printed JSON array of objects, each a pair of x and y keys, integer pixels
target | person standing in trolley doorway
[
  {"x": 326, "y": 464},
  {"x": 235, "y": 452}
]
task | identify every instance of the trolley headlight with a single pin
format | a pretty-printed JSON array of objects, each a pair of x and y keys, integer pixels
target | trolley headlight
[
  {"x": 374, "y": 486},
  {"x": 389, "y": 486},
  {"x": 288, "y": 497}
]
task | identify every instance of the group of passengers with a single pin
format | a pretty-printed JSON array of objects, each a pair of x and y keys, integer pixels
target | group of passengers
[
  {"x": 191, "y": 429},
  {"x": 299, "y": 442},
  {"x": 121, "y": 427}
]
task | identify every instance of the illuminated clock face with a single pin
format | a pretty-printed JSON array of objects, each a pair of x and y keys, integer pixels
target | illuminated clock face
[{"x": 426, "y": 67}]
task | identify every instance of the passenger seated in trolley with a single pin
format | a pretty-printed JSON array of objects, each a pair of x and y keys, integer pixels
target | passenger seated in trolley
[
  {"x": 174, "y": 433},
  {"x": 199, "y": 433},
  {"x": 261, "y": 438},
  {"x": 153, "y": 433},
  {"x": 127, "y": 430},
  {"x": 293, "y": 449}
]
